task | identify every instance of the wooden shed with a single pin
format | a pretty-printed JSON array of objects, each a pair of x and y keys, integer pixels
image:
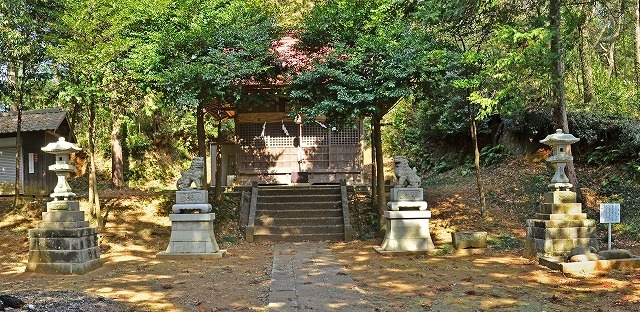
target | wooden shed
[{"x": 38, "y": 128}]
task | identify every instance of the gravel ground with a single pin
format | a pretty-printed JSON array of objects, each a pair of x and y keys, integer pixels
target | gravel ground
[{"x": 65, "y": 301}]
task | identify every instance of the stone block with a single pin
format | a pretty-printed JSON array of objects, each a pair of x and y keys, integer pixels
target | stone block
[
  {"x": 560, "y": 197},
  {"x": 64, "y": 256},
  {"x": 616, "y": 254},
  {"x": 462, "y": 240},
  {"x": 65, "y": 268},
  {"x": 192, "y": 247},
  {"x": 414, "y": 214},
  {"x": 63, "y": 225},
  {"x": 191, "y": 236},
  {"x": 560, "y": 223},
  {"x": 408, "y": 244},
  {"x": 70, "y": 205},
  {"x": 412, "y": 205},
  {"x": 561, "y": 247},
  {"x": 192, "y": 226},
  {"x": 563, "y": 208},
  {"x": 407, "y": 222},
  {"x": 62, "y": 243},
  {"x": 77, "y": 232},
  {"x": 186, "y": 208},
  {"x": 407, "y": 194},
  {"x": 192, "y": 217},
  {"x": 560, "y": 233},
  {"x": 192, "y": 197},
  {"x": 561, "y": 216},
  {"x": 62, "y": 216},
  {"x": 408, "y": 232}
]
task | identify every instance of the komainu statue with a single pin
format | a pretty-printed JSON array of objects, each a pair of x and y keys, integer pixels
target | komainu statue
[
  {"x": 194, "y": 174},
  {"x": 404, "y": 173}
]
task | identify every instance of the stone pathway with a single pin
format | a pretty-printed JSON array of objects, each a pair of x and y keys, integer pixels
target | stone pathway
[{"x": 306, "y": 277}]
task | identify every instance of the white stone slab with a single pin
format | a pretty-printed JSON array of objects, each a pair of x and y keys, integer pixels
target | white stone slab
[
  {"x": 191, "y": 217},
  {"x": 407, "y": 194},
  {"x": 192, "y": 197},
  {"x": 410, "y": 214},
  {"x": 202, "y": 208},
  {"x": 397, "y": 205}
]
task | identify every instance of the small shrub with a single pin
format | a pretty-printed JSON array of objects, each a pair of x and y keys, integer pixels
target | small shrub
[
  {"x": 446, "y": 249},
  {"x": 504, "y": 242},
  {"x": 630, "y": 228},
  {"x": 490, "y": 155}
]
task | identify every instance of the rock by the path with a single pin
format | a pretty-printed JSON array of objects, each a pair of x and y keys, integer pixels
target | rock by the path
[{"x": 10, "y": 301}]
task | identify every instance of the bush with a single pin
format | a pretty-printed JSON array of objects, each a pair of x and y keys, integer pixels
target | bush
[{"x": 504, "y": 242}]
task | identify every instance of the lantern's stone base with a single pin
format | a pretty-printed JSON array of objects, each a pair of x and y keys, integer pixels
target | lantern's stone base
[
  {"x": 192, "y": 237},
  {"x": 559, "y": 227},
  {"x": 407, "y": 231},
  {"x": 63, "y": 243}
]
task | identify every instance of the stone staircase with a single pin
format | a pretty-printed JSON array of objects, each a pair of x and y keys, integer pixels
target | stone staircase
[{"x": 298, "y": 213}]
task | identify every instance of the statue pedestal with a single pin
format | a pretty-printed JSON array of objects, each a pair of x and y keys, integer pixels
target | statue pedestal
[
  {"x": 407, "y": 231},
  {"x": 192, "y": 200},
  {"x": 192, "y": 237},
  {"x": 63, "y": 243},
  {"x": 559, "y": 227}
]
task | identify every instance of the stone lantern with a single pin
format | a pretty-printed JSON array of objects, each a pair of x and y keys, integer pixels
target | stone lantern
[
  {"x": 62, "y": 150},
  {"x": 559, "y": 143},
  {"x": 560, "y": 225},
  {"x": 63, "y": 242}
]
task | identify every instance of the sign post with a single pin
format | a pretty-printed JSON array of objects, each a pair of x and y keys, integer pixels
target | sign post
[{"x": 609, "y": 213}]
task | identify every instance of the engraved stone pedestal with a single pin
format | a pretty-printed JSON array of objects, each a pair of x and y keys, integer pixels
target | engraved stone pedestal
[
  {"x": 407, "y": 223},
  {"x": 559, "y": 227},
  {"x": 192, "y": 233}
]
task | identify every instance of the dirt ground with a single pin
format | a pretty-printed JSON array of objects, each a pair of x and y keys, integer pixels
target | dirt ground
[{"x": 500, "y": 280}]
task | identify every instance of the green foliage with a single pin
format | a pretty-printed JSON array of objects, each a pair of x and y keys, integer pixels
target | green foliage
[
  {"x": 629, "y": 228},
  {"x": 370, "y": 58},
  {"x": 490, "y": 155},
  {"x": 207, "y": 48},
  {"x": 504, "y": 242}
]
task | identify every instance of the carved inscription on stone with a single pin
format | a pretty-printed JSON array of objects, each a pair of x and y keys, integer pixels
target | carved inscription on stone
[
  {"x": 191, "y": 197},
  {"x": 409, "y": 195}
]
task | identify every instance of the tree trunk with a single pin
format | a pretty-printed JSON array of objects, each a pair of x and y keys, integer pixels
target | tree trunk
[
  {"x": 117, "y": 163},
  {"x": 585, "y": 49},
  {"x": 381, "y": 197},
  {"x": 557, "y": 86},
  {"x": 218, "y": 189},
  {"x": 12, "y": 77},
  {"x": 612, "y": 47},
  {"x": 94, "y": 197},
  {"x": 202, "y": 149},
  {"x": 373, "y": 167},
  {"x": 16, "y": 190},
  {"x": 637, "y": 42},
  {"x": 476, "y": 159}
]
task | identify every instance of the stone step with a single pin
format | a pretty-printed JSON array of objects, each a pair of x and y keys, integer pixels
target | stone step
[
  {"x": 561, "y": 233},
  {"x": 299, "y": 206},
  {"x": 271, "y": 221},
  {"x": 300, "y": 213},
  {"x": 296, "y": 230},
  {"x": 315, "y": 190},
  {"x": 299, "y": 198},
  {"x": 561, "y": 216},
  {"x": 299, "y": 237}
]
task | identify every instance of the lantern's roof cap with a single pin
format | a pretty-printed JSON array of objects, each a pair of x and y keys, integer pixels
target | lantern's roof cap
[
  {"x": 559, "y": 138},
  {"x": 61, "y": 146}
]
